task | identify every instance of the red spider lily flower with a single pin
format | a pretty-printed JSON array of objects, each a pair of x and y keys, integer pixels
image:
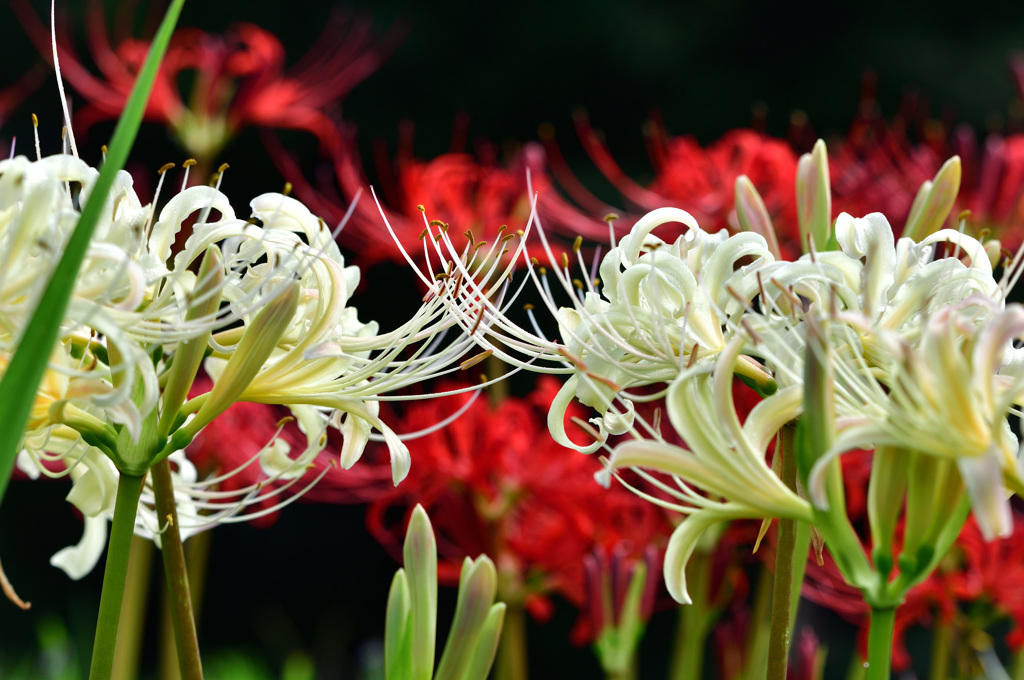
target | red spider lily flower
[
  {"x": 993, "y": 572},
  {"x": 238, "y": 80},
  {"x": 700, "y": 180},
  {"x": 472, "y": 194},
  {"x": 494, "y": 482},
  {"x": 879, "y": 168}
]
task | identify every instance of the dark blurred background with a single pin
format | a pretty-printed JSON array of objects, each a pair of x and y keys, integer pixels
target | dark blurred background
[{"x": 315, "y": 583}]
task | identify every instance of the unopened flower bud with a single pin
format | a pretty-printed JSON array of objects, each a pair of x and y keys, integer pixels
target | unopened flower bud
[
  {"x": 814, "y": 198},
  {"x": 258, "y": 342},
  {"x": 934, "y": 200},
  {"x": 205, "y": 300},
  {"x": 752, "y": 214}
]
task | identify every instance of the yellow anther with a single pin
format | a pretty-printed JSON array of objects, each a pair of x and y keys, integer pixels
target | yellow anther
[{"x": 474, "y": 360}]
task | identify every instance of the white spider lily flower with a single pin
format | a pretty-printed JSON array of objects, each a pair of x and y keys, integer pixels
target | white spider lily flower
[
  {"x": 873, "y": 285},
  {"x": 947, "y": 398},
  {"x": 722, "y": 474},
  {"x": 320, "y": 355},
  {"x": 657, "y": 308},
  {"x": 134, "y": 320},
  {"x": 38, "y": 202}
]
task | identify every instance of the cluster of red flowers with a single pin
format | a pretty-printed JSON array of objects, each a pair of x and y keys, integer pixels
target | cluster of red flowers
[{"x": 494, "y": 483}]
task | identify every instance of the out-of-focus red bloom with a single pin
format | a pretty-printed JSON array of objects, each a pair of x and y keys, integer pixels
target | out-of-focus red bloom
[
  {"x": 993, "y": 571},
  {"x": 237, "y": 79},
  {"x": 808, "y": 662},
  {"x": 700, "y": 180},
  {"x": 469, "y": 192},
  {"x": 495, "y": 482},
  {"x": 878, "y": 168}
]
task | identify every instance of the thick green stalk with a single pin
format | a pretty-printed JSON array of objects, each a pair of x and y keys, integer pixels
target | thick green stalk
[
  {"x": 133, "y": 613},
  {"x": 122, "y": 528},
  {"x": 176, "y": 575},
  {"x": 785, "y": 565},
  {"x": 512, "y": 663},
  {"x": 802, "y": 554},
  {"x": 693, "y": 623},
  {"x": 880, "y": 642}
]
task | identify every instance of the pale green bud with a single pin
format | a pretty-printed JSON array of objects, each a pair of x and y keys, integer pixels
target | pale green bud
[
  {"x": 189, "y": 355},
  {"x": 398, "y": 630},
  {"x": 486, "y": 644},
  {"x": 420, "y": 557},
  {"x": 934, "y": 489},
  {"x": 477, "y": 587},
  {"x": 885, "y": 501},
  {"x": 256, "y": 345},
  {"x": 410, "y": 629},
  {"x": 814, "y": 198},
  {"x": 753, "y": 216},
  {"x": 934, "y": 200}
]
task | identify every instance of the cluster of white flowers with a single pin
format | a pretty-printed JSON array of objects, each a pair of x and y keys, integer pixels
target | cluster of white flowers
[
  {"x": 915, "y": 335},
  {"x": 262, "y": 303}
]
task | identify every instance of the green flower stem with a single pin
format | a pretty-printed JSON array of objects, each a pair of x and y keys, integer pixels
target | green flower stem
[
  {"x": 122, "y": 528},
  {"x": 176, "y": 575},
  {"x": 802, "y": 554},
  {"x": 785, "y": 565},
  {"x": 942, "y": 636},
  {"x": 133, "y": 613},
  {"x": 197, "y": 553},
  {"x": 756, "y": 642},
  {"x": 512, "y": 664},
  {"x": 694, "y": 621},
  {"x": 880, "y": 642}
]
